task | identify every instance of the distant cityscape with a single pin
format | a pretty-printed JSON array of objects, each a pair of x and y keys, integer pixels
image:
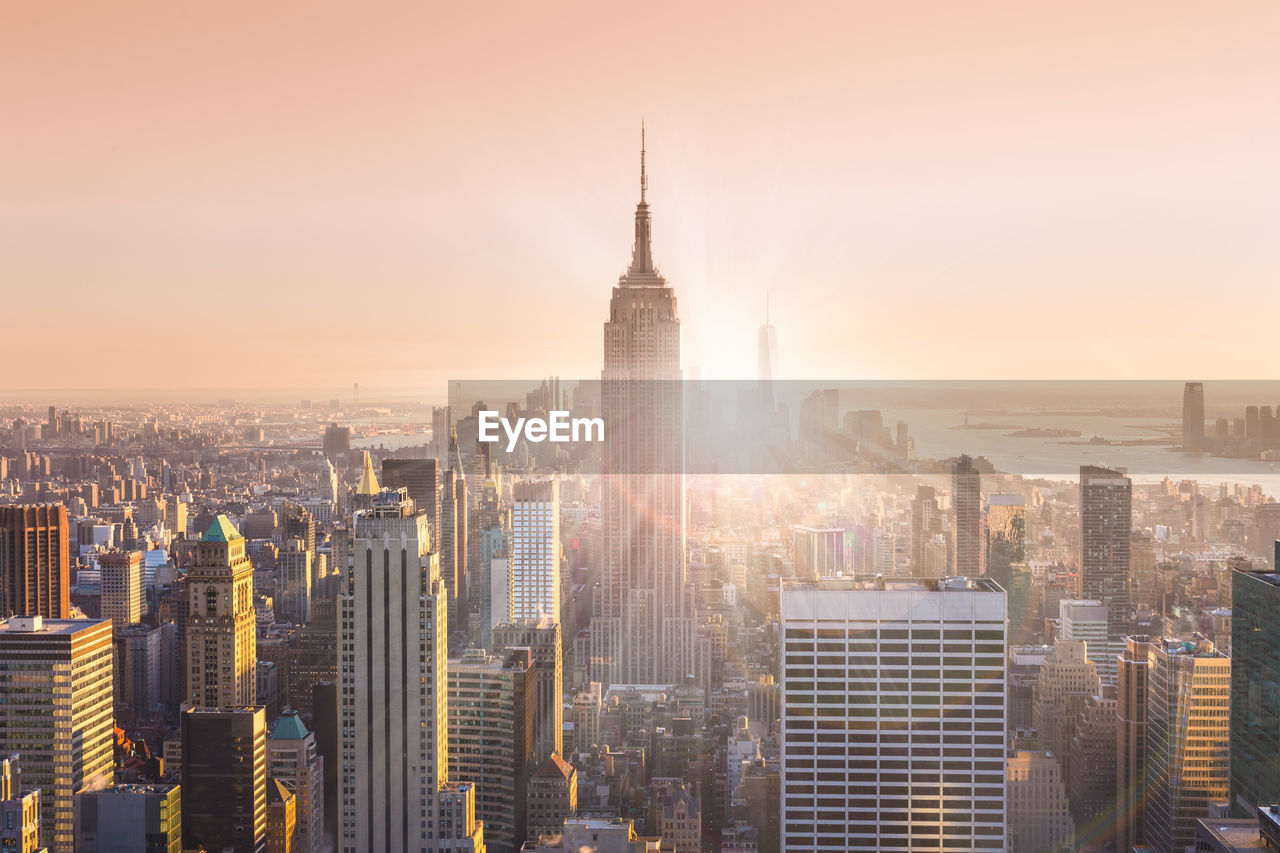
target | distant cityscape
[{"x": 275, "y": 629}]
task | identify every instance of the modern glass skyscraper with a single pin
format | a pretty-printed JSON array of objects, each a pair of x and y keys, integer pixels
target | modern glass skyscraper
[
  {"x": 642, "y": 624},
  {"x": 893, "y": 715},
  {"x": 1188, "y": 720},
  {"x": 1255, "y": 690}
]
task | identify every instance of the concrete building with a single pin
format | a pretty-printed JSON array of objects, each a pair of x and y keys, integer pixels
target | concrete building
[
  {"x": 1131, "y": 743},
  {"x": 819, "y": 552},
  {"x": 19, "y": 810},
  {"x": 63, "y": 735},
  {"x": 128, "y": 819},
  {"x": 1039, "y": 811},
  {"x": 282, "y": 818},
  {"x": 535, "y": 550},
  {"x": 1087, "y": 621},
  {"x": 552, "y": 798},
  {"x": 966, "y": 508},
  {"x": 393, "y": 689},
  {"x": 492, "y": 706},
  {"x": 292, "y": 758},
  {"x": 866, "y": 666},
  {"x": 1067, "y": 679}
]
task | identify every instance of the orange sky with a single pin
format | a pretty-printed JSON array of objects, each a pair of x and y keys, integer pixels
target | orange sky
[{"x": 308, "y": 195}]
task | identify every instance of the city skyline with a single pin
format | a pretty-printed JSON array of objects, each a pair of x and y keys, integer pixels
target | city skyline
[{"x": 891, "y": 159}]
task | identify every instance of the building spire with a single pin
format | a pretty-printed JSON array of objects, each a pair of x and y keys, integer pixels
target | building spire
[
  {"x": 642, "y": 249},
  {"x": 644, "y": 179}
]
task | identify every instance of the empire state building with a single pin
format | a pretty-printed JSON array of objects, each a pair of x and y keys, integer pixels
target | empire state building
[{"x": 642, "y": 624}]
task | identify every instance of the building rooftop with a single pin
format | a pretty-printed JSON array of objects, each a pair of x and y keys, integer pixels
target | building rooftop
[
  {"x": 886, "y": 584},
  {"x": 289, "y": 727},
  {"x": 221, "y": 530},
  {"x": 45, "y": 627}
]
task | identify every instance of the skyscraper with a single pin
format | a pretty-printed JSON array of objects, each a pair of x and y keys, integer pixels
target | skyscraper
[
  {"x": 224, "y": 778},
  {"x": 893, "y": 717},
  {"x": 535, "y": 550},
  {"x": 454, "y": 524},
  {"x": 293, "y": 591},
  {"x": 1193, "y": 416},
  {"x": 966, "y": 504},
  {"x": 34, "y": 572},
  {"x": 221, "y": 625},
  {"x": 642, "y": 624},
  {"x": 1255, "y": 691},
  {"x": 819, "y": 552},
  {"x": 926, "y": 522},
  {"x": 1131, "y": 743},
  {"x": 393, "y": 690},
  {"x": 19, "y": 809},
  {"x": 56, "y": 692},
  {"x": 1106, "y": 498},
  {"x": 1188, "y": 725},
  {"x": 1006, "y": 534}
]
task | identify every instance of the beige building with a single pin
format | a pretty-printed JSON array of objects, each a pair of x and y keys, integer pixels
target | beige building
[
  {"x": 553, "y": 798},
  {"x": 1067, "y": 679},
  {"x": 56, "y": 691},
  {"x": 1039, "y": 813},
  {"x": 121, "y": 573},
  {"x": 221, "y": 627}
]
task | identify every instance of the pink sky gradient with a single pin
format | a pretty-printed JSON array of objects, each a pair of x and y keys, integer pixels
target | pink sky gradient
[{"x": 302, "y": 196}]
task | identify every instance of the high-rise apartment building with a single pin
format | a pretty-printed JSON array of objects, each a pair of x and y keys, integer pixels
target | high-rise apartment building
[
  {"x": 535, "y": 550},
  {"x": 122, "y": 592},
  {"x": 34, "y": 570},
  {"x": 221, "y": 625},
  {"x": 492, "y": 706},
  {"x": 224, "y": 778},
  {"x": 393, "y": 691},
  {"x": 292, "y": 758},
  {"x": 966, "y": 507},
  {"x": 1106, "y": 499},
  {"x": 1131, "y": 743},
  {"x": 542, "y": 638},
  {"x": 1188, "y": 728},
  {"x": 130, "y": 818},
  {"x": 893, "y": 715},
  {"x": 642, "y": 626},
  {"x": 56, "y": 692},
  {"x": 1255, "y": 691}
]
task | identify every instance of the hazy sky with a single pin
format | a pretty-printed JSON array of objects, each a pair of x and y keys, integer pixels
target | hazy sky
[{"x": 224, "y": 195}]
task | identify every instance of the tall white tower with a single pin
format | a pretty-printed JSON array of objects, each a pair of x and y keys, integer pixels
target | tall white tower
[
  {"x": 393, "y": 698},
  {"x": 535, "y": 550}
]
